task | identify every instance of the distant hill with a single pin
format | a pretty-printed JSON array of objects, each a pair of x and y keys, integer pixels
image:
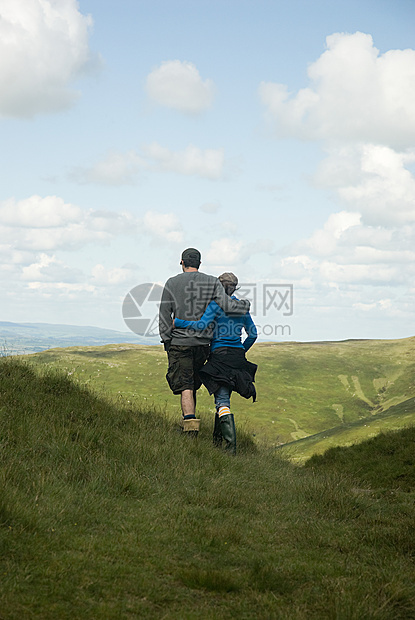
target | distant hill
[{"x": 20, "y": 338}]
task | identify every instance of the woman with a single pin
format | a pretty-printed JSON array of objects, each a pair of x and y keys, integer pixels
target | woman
[{"x": 227, "y": 368}]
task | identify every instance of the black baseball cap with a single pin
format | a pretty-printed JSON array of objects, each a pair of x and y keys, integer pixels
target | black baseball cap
[{"x": 191, "y": 254}]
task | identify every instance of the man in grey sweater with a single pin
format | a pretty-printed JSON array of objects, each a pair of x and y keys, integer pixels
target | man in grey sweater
[{"x": 187, "y": 296}]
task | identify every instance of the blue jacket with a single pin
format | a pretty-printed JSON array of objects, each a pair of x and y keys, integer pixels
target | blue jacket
[{"x": 227, "y": 330}]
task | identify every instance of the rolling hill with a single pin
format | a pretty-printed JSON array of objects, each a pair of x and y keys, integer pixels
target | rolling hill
[
  {"x": 395, "y": 418},
  {"x": 351, "y": 389}
]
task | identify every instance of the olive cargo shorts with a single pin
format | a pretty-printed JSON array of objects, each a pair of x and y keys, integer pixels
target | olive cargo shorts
[{"x": 184, "y": 366}]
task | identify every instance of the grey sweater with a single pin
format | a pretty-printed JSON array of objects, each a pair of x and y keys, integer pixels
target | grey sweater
[{"x": 186, "y": 296}]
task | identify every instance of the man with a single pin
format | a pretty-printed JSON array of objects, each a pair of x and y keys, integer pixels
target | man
[{"x": 187, "y": 296}]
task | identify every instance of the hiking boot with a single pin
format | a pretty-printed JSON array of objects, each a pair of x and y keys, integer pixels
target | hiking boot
[
  {"x": 227, "y": 426},
  {"x": 217, "y": 432},
  {"x": 190, "y": 426}
]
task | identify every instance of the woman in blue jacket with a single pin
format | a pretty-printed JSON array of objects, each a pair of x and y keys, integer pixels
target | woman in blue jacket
[{"x": 227, "y": 368}]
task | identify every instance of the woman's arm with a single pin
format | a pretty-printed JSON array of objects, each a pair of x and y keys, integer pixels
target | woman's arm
[
  {"x": 208, "y": 317},
  {"x": 251, "y": 330}
]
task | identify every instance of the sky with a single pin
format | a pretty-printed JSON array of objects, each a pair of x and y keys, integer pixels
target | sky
[{"x": 276, "y": 137}]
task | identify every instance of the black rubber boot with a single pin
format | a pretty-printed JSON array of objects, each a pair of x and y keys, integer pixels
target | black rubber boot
[
  {"x": 227, "y": 425},
  {"x": 217, "y": 432}
]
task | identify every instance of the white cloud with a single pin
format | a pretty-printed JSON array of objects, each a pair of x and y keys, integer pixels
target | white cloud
[
  {"x": 369, "y": 256},
  {"x": 365, "y": 307},
  {"x": 43, "y": 47},
  {"x": 206, "y": 163},
  {"x": 371, "y": 237},
  {"x": 50, "y": 269},
  {"x": 227, "y": 252},
  {"x": 36, "y": 231},
  {"x": 324, "y": 241},
  {"x": 372, "y": 242},
  {"x": 115, "y": 169},
  {"x": 115, "y": 223},
  {"x": 72, "y": 237},
  {"x": 39, "y": 226},
  {"x": 38, "y": 212},
  {"x": 124, "y": 168},
  {"x": 163, "y": 225},
  {"x": 355, "y": 94},
  {"x": 12, "y": 256},
  {"x": 178, "y": 85},
  {"x": 346, "y": 253},
  {"x": 224, "y": 251},
  {"x": 358, "y": 273},
  {"x": 114, "y": 276},
  {"x": 385, "y": 192},
  {"x": 374, "y": 180},
  {"x": 68, "y": 289},
  {"x": 47, "y": 224}
]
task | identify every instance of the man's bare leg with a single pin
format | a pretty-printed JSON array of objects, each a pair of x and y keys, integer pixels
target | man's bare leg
[
  {"x": 190, "y": 424},
  {"x": 188, "y": 402}
]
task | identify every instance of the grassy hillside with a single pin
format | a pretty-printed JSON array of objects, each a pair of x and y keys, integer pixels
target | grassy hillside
[
  {"x": 387, "y": 460},
  {"x": 107, "y": 512},
  {"x": 303, "y": 388},
  {"x": 396, "y": 417}
]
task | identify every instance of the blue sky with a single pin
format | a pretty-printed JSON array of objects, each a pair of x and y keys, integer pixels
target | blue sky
[{"x": 278, "y": 138}]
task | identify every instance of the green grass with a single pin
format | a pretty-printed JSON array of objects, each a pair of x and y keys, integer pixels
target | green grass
[
  {"x": 303, "y": 388},
  {"x": 386, "y": 461},
  {"x": 396, "y": 417},
  {"x": 107, "y": 512}
]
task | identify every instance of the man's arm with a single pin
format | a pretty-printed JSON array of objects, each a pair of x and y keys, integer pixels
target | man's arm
[
  {"x": 204, "y": 321},
  {"x": 228, "y": 305},
  {"x": 166, "y": 317}
]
